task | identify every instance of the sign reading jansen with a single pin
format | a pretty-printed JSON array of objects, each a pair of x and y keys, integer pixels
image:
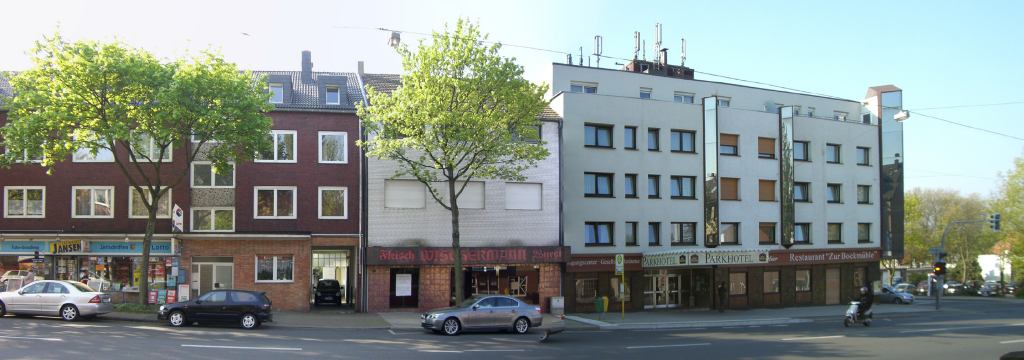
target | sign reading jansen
[
  {"x": 698, "y": 258},
  {"x": 65, "y": 247}
]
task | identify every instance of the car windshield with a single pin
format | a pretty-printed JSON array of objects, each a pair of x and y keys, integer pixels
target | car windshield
[
  {"x": 468, "y": 302},
  {"x": 328, "y": 284}
]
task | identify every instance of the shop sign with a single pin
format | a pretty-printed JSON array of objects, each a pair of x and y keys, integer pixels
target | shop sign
[
  {"x": 470, "y": 256},
  {"x": 823, "y": 257},
  {"x": 704, "y": 258},
  {"x": 22, "y": 246},
  {"x": 65, "y": 247},
  {"x": 120, "y": 247},
  {"x": 602, "y": 263},
  {"x": 177, "y": 219}
]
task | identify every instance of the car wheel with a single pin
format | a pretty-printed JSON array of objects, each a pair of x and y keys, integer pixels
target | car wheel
[
  {"x": 69, "y": 312},
  {"x": 3, "y": 309},
  {"x": 452, "y": 326},
  {"x": 522, "y": 325},
  {"x": 897, "y": 301},
  {"x": 177, "y": 318},
  {"x": 249, "y": 321}
]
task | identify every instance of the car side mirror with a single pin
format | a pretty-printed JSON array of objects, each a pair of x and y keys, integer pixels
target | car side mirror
[
  {"x": 199, "y": 302},
  {"x": 21, "y": 292},
  {"x": 477, "y": 306}
]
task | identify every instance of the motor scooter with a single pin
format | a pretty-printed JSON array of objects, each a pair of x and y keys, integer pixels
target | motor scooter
[{"x": 852, "y": 318}]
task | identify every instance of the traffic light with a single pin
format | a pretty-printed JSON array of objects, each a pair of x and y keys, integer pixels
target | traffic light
[
  {"x": 994, "y": 219},
  {"x": 940, "y": 268}
]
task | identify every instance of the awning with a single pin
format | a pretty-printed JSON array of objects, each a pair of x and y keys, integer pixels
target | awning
[{"x": 704, "y": 257}]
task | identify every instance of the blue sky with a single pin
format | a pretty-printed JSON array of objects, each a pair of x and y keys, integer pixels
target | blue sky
[{"x": 940, "y": 53}]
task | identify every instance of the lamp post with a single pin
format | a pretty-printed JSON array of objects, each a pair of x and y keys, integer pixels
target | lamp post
[{"x": 1002, "y": 272}]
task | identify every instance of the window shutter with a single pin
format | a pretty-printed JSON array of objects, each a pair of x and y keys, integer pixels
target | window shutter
[
  {"x": 767, "y": 190},
  {"x": 729, "y": 139},
  {"x": 523, "y": 196},
  {"x": 404, "y": 194},
  {"x": 766, "y": 146},
  {"x": 729, "y": 188}
]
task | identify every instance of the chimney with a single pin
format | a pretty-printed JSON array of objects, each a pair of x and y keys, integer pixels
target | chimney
[
  {"x": 307, "y": 67},
  {"x": 361, "y": 67}
]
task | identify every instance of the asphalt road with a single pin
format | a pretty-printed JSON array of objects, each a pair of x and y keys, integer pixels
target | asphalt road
[{"x": 964, "y": 330}]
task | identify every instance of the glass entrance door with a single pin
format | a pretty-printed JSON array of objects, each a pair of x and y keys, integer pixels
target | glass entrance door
[
  {"x": 662, "y": 289},
  {"x": 210, "y": 276}
]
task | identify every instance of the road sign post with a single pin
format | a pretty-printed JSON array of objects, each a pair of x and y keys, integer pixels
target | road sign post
[{"x": 620, "y": 261}]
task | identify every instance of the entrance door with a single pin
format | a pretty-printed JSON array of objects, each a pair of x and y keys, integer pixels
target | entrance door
[
  {"x": 331, "y": 264},
  {"x": 831, "y": 286},
  {"x": 662, "y": 290},
  {"x": 211, "y": 276}
]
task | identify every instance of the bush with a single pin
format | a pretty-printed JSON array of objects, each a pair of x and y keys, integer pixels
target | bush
[
  {"x": 1018, "y": 294},
  {"x": 135, "y": 307}
]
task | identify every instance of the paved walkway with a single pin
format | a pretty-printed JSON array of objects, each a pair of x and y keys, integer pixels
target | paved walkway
[{"x": 648, "y": 319}]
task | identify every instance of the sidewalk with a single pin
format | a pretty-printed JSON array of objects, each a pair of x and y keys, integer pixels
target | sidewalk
[{"x": 648, "y": 319}]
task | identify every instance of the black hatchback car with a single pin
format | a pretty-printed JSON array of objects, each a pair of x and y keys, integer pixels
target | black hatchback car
[
  {"x": 246, "y": 308},
  {"x": 328, "y": 291}
]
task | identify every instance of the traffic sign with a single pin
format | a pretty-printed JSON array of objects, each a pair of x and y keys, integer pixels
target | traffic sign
[
  {"x": 619, "y": 260},
  {"x": 37, "y": 260}
]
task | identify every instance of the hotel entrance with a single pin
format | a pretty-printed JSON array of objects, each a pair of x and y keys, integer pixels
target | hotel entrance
[{"x": 672, "y": 288}]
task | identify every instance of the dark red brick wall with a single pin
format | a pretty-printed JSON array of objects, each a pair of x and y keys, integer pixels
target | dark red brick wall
[
  {"x": 435, "y": 287},
  {"x": 378, "y": 281}
]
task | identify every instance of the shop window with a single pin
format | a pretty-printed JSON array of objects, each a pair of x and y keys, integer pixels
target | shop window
[
  {"x": 274, "y": 268},
  {"x": 738, "y": 283},
  {"x": 138, "y": 206},
  {"x": 586, "y": 290},
  {"x": 803, "y": 280},
  {"x": 405, "y": 285},
  {"x": 771, "y": 282},
  {"x": 25, "y": 201},
  {"x": 620, "y": 293}
]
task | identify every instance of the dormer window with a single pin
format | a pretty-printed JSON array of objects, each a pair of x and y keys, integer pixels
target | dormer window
[
  {"x": 333, "y": 95},
  {"x": 277, "y": 93}
]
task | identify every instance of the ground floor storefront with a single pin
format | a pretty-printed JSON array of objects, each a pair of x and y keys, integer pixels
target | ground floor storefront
[
  {"x": 286, "y": 267},
  {"x": 421, "y": 278}
]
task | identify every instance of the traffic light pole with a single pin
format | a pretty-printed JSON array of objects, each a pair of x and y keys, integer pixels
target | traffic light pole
[{"x": 942, "y": 252}]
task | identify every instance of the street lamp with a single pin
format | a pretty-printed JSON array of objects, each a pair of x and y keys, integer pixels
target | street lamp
[{"x": 1002, "y": 271}]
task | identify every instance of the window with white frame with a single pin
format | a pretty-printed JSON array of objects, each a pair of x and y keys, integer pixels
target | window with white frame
[
  {"x": 275, "y": 268},
  {"x": 685, "y": 98},
  {"x": 580, "y": 87},
  {"x": 86, "y": 155},
  {"x": 204, "y": 175},
  {"x": 524, "y": 196},
  {"x": 213, "y": 219},
  {"x": 274, "y": 202},
  {"x": 839, "y": 115},
  {"x": 28, "y": 157},
  {"x": 24, "y": 201},
  {"x": 137, "y": 207},
  {"x": 333, "y": 202},
  {"x": 92, "y": 201},
  {"x": 277, "y": 93},
  {"x": 724, "y": 102},
  {"x": 283, "y": 149},
  {"x": 146, "y": 149},
  {"x": 408, "y": 194},
  {"x": 333, "y": 95},
  {"x": 645, "y": 93},
  {"x": 333, "y": 147}
]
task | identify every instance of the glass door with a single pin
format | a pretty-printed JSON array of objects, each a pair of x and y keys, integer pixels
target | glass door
[{"x": 662, "y": 290}]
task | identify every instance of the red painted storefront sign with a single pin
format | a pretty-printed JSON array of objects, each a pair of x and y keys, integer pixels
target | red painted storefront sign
[
  {"x": 823, "y": 256},
  {"x": 603, "y": 263},
  {"x": 470, "y": 256}
]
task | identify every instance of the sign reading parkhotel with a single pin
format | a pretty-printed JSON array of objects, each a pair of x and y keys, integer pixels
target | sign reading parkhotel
[
  {"x": 703, "y": 258},
  {"x": 470, "y": 256},
  {"x": 823, "y": 257}
]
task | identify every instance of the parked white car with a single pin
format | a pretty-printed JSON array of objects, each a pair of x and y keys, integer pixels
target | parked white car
[
  {"x": 13, "y": 274},
  {"x": 70, "y": 300}
]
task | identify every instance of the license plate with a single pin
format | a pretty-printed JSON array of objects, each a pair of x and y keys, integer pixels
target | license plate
[
  {"x": 328, "y": 298},
  {"x": 106, "y": 300}
]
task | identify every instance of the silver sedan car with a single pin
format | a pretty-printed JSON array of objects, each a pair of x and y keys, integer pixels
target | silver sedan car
[
  {"x": 483, "y": 312},
  {"x": 70, "y": 300}
]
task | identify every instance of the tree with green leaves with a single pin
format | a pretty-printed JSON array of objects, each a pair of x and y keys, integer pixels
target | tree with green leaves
[
  {"x": 929, "y": 211},
  {"x": 89, "y": 99},
  {"x": 1008, "y": 201},
  {"x": 463, "y": 113}
]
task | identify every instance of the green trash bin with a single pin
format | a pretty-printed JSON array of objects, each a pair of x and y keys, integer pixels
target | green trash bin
[{"x": 599, "y": 304}]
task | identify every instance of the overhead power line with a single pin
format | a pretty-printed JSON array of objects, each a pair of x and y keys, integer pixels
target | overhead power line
[
  {"x": 969, "y": 127},
  {"x": 964, "y": 106}
]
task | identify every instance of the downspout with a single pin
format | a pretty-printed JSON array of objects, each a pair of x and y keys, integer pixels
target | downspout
[{"x": 363, "y": 211}]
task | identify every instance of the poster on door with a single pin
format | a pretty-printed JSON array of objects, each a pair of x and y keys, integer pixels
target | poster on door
[
  {"x": 403, "y": 284},
  {"x": 183, "y": 292},
  {"x": 171, "y": 295}
]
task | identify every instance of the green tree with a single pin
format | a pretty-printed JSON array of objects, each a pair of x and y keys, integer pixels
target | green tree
[
  {"x": 1008, "y": 201},
  {"x": 88, "y": 98},
  {"x": 929, "y": 211},
  {"x": 463, "y": 112}
]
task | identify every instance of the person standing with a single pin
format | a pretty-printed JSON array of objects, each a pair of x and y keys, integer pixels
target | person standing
[
  {"x": 31, "y": 276},
  {"x": 723, "y": 297}
]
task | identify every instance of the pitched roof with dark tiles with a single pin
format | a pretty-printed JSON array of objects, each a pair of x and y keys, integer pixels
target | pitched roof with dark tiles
[
  {"x": 307, "y": 96},
  {"x": 387, "y": 83}
]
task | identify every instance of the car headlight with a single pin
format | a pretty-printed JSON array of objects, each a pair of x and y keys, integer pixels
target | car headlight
[
  {"x": 317, "y": 293},
  {"x": 162, "y": 308},
  {"x": 433, "y": 316}
]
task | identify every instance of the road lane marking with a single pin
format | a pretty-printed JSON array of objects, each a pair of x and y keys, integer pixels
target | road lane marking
[
  {"x": 29, "y": 338},
  {"x": 495, "y": 350},
  {"x": 1011, "y": 341},
  {"x": 241, "y": 347},
  {"x": 670, "y": 329},
  {"x": 959, "y": 328},
  {"x": 815, "y": 338},
  {"x": 442, "y": 351},
  {"x": 663, "y": 346}
]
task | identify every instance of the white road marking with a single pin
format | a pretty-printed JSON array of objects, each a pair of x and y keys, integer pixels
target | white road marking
[
  {"x": 755, "y": 326},
  {"x": 29, "y": 338},
  {"x": 683, "y": 329},
  {"x": 442, "y": 351},
  {"x": 959, "y": 328},
  {"x": 815, "y": 338},
  {"x": 783, "y": 325},
  {"x": 465, "y": 351},
  {"x": 241, "y": 347},
  {"x": 84, "y": 325},
  {"x": 1011, "y": 341},
  {"x": 663, "y": 346},
  {"x": 495, "y": 350}
]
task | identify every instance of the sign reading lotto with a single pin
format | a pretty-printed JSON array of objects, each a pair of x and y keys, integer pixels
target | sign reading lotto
[
  {"x": 823, "y": 256},
  {"x": 585, "y": 263},
  {"x": 65, "y": 247},
  {"x": 704, "y": 258},
  {"x": 470, "y": 256}
]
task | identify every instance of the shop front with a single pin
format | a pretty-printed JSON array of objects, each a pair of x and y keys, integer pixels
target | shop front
[
  {"x": 592, "y": 276},
  {"x": 420, "y": 278},
  {"x": 816, "y": 277},
  {"x": 688, "y": 279}
]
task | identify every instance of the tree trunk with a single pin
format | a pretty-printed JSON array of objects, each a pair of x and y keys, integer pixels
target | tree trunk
[
  {"x": 144, "y": 263},
  {"x": 457, "y": 268}
]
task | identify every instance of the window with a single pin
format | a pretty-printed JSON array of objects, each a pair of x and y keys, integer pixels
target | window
[
  {"x": 586, "y": 290},
  {"x": 583, "y": 88},
  {"x": 683, "y": 98},
  {"x": 24, "y": 201},
  {"x": 204, "y": 175},
  {"x": 802, "y": 233},
  {"x": 723, "y": 102},
  {"x": 629, "y": 137},
  {"x": 333, "y": 147},
  {"x": 730, "y": 234},
  {"x": 803, "y": 280},
  {"x": 800, "y": 151},
  {"x": 729, "y": 144},
  {"x": 766, "y": 233},
  {"x": 835, "y": 233},
  {"x": 630, "y": 185},
  {"x": 631, "y": 233},
  {"x": 29, "y": 157},
  {"x": 682, "y": 187},
  {"x": 863, "y": 194},
  {"x": 277, "y": 93},
  {"x": 213, "y": 219},
  {"x": 832, "y": 154},
  {"x": 283, "y": 148},
  {"x": 729, "y": 188},
  {"x": 620, "y": 295},
  {"x": 684, "y": 233},
  {"x": 738, "y": 283},
  {"x": 771, "y": 282},
  {"x": 85, "y": 154},
  {"x": 834, "y": 192},
  {"x": 863, "y": 156},
  {"x": 839, "y": 115},
  {"x": 597, "y": 135},
  {"x": 333, "y": 95},
  {"x": 654, "y": 233},
  {"x": 766, "y": 190},
  {"x": 645, "y": 93},
  {"x": 653, "y": 186},
  {"x": 801, "y": 191},
  {"x": 810, "y": 112},
  {"x": 682, "y": 141},
  {"x": 93, "y": 201},
  {"x": 652, "y": 139},
  {"x": 863, "y": 233},
  {"x": 866, "y": 118},
  {"x": 599, "y": 233},
  {"x": 597, "y": 185},
  {"x": 524, "y": 196},
  {"x": 408, "y": 194},
  {"x": 138, "y": 207},
  {"x": 277, "y": 268},
  {"x": 332, "y": 202},
  {"x": 765, "y": 148},
  {"x": 533, "y": 134},
  {"x": 146, "y": 150},
  {"x": 472, "y": 196},
  {"x": 271, "y": 202},
  {"x": 796, "y": 111}
]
